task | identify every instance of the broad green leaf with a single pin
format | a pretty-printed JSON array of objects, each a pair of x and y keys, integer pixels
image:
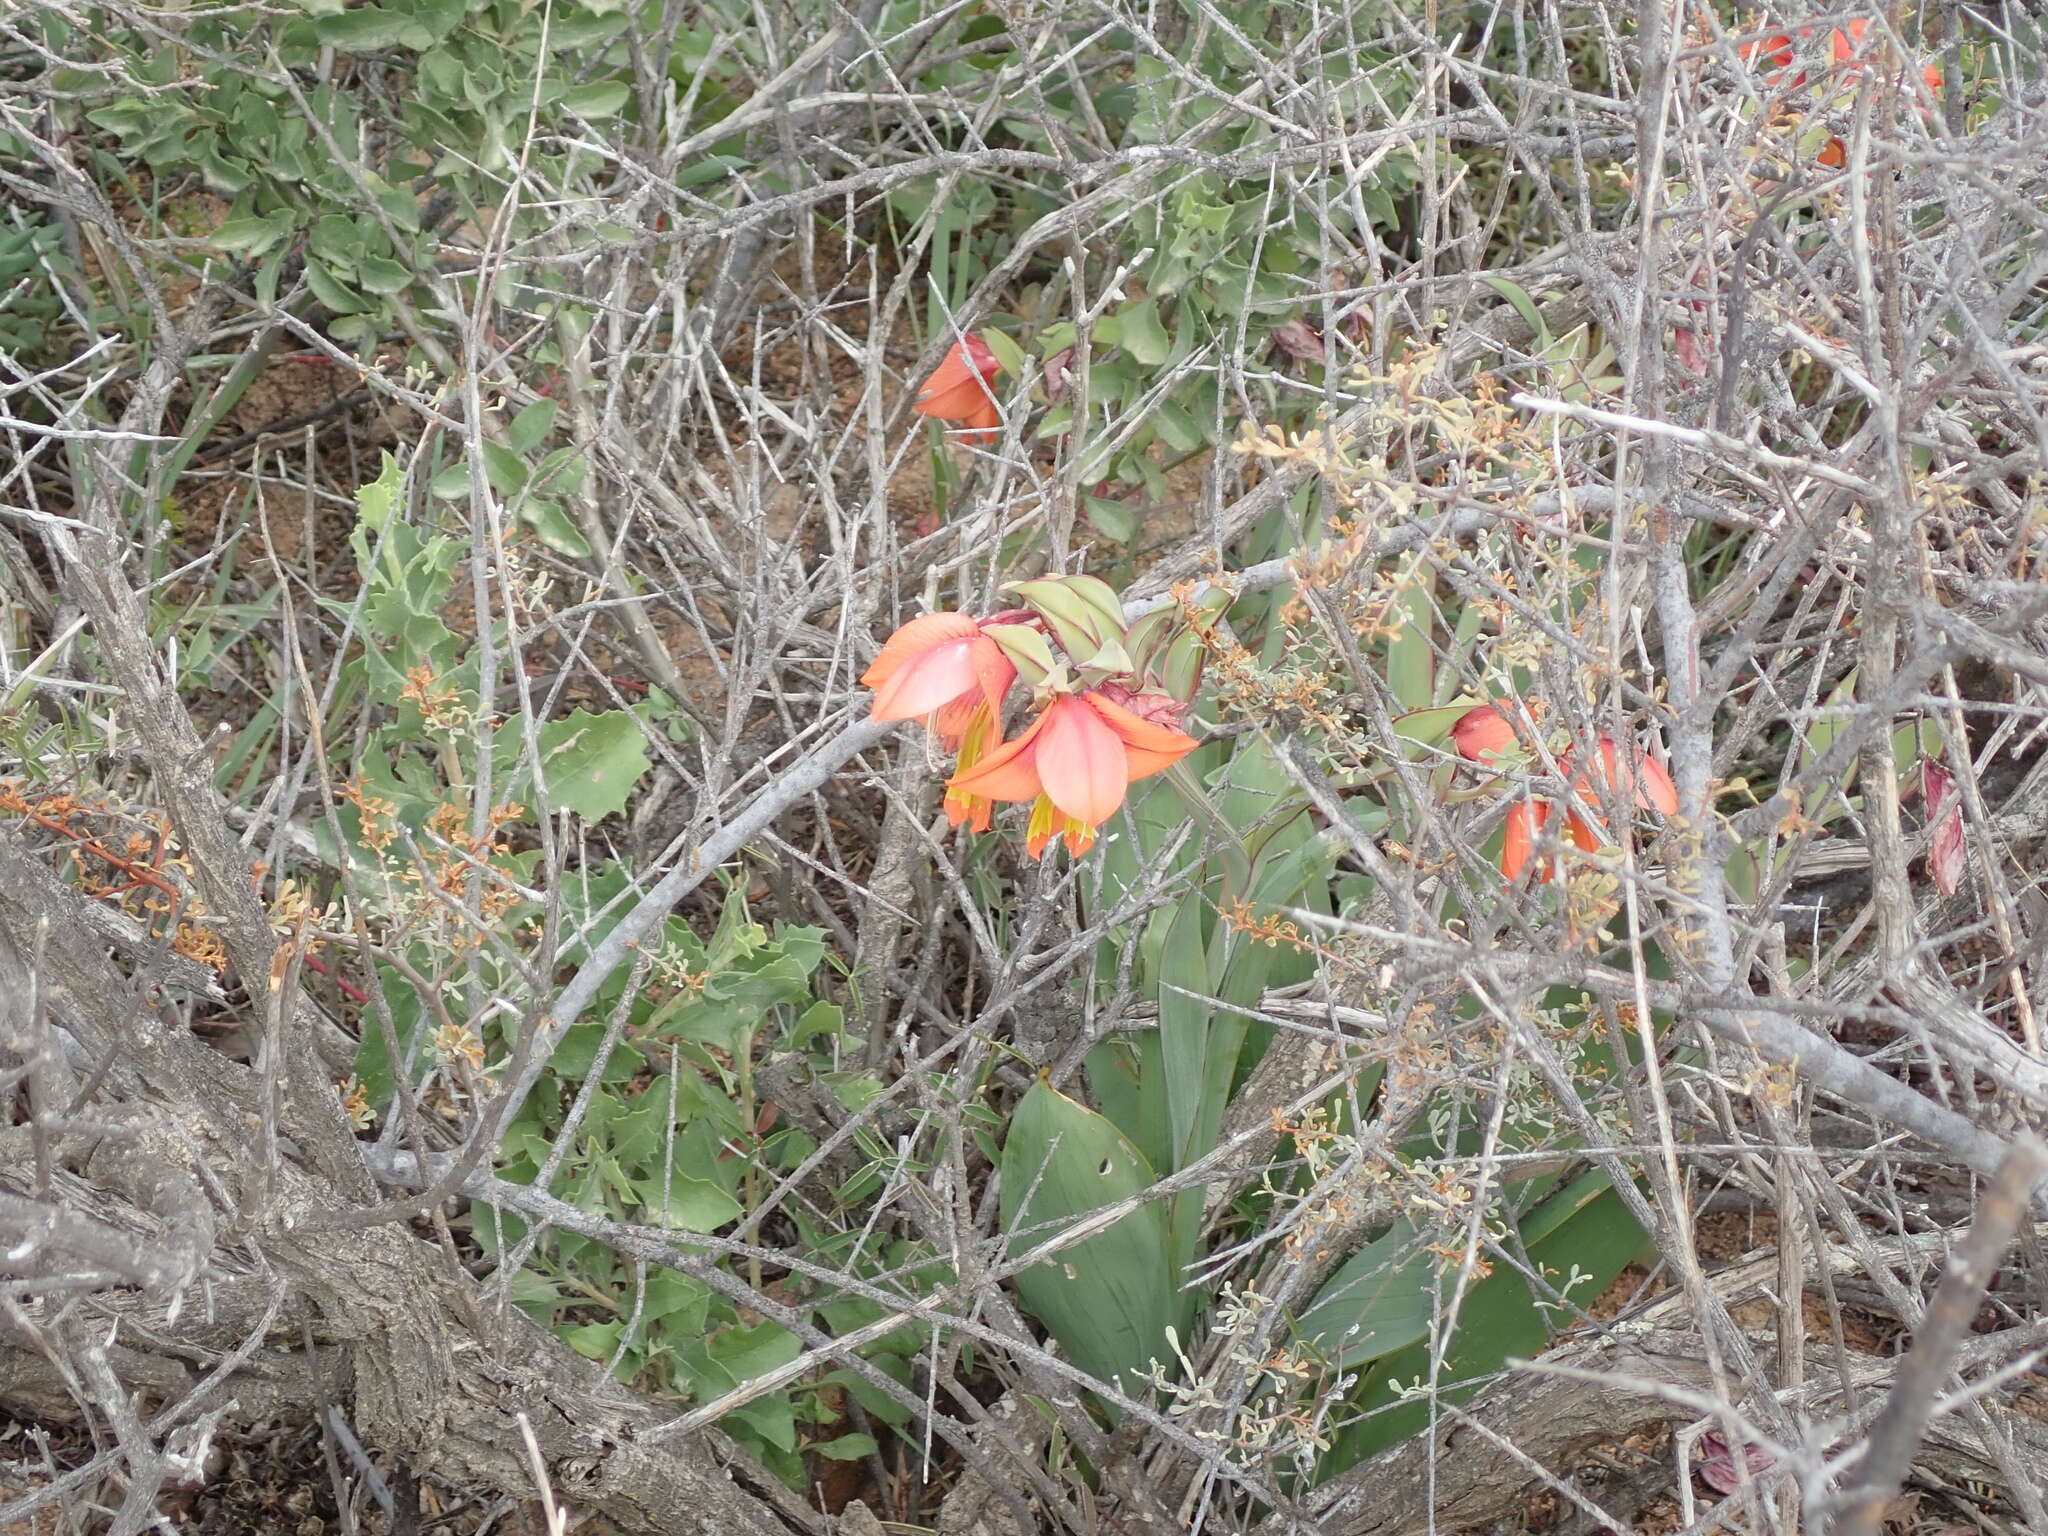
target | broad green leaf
[
  {"x": 773, "y": 1418},
  {"x": 365, "y": 29},
  {"x": 529, "y": 429},
  {"x": 220, "y": 174},
  {"x": 373, "y": 1066},
  {"x": 1113, "y": 519},
  {"x": 1177, "y": 429},
  {"x": 1379, "y": 1301},
  {"x": 594, "y": 1341},
  {"x": 682, "y": 1300},
  {"x": 1828, "y": 724},
  {"x": 562, "y": 472},
  {"x": 744, "y": 1353},
  {"x": 1581, "y": 1236},
  {"x": 693, "y": 1205},
  {"x": 590, "y": 763},
  {"x": 847, "y": 1448},
  {"x": 576, "y": 1053},
  {"x": 1911, "y": 742},
  {"x": 1110, "y": 1298},
  {"x": 877, "y": 1404},
  {"x": 820, "y": 1021},
  {"x": 1142, "y": 334},
  {"x": 505, "y": 469},
  {"x": 382, "y": 275},
  {"x": 554, "y": 527},
  {"x": 251, "y": 236},
  {"x": 1007, "y": 352},
  {"x": 604, "y": 98},
  {"x": 441, "y": 72},
  {"x": 377, "y": 499},
  {"x": 330, "y": 290},
  {"x": 1256, "y": 796},
  {"x": 1427, "y": 727}
]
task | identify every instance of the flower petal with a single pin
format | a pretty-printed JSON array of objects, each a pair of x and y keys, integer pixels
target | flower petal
[
  {"x": 1483, "y": 733},
  {"x": 978, "y": 736},
  {"x": 914, "y": 639},
  {"x": 1081, "y": 759},
  {"x": 958, "y": 388},
  {"x": 928, "y": 682},
  {"x": 949, "y": 404},
  {"x": 1041, "y": 829},
  {"x": 1525, "y": 822},
  {"x": 994, "y": 671},
  {"x": 952, "y": 372},
  {"x": 983, "y": 423},
  {"x": 993, "y": 674},
  {"x": 1645, "y": 782},
  {"x": 1009, "y": 772},
  {"x": 1149, "y": 748},
  {"x": 1583, "y": 837},
  {"x": 1654, "y": 789}
]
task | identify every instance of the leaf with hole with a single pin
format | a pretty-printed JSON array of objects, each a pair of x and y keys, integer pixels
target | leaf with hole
[
  {"x": 1110, "y": 1297},
  {"x": 590, "y": 763}
]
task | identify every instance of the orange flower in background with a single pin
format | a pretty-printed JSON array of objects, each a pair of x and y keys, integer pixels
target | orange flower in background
[
  {"x": 1078, "y": 757},
  {"x": 1845, "y": 45},
  {"x": 1644, "y": 781},
  {"x": 1526, "y": 820},
  {"x": 1845, "y": 53},
  {"x": 941, "y": 665},
  {"x": 958, "y": 390},
  {"x": 1776, "y": 49},
  {"x": 1482, "y": 734}
]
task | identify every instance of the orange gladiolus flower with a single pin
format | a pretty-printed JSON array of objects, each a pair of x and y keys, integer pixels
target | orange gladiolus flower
[
  {"x": 1079, "y": 757},
  {"x": 1483, "y": 733},
  {"x": 958, "y": 391},
  {"x": 940, "y": 665}
]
